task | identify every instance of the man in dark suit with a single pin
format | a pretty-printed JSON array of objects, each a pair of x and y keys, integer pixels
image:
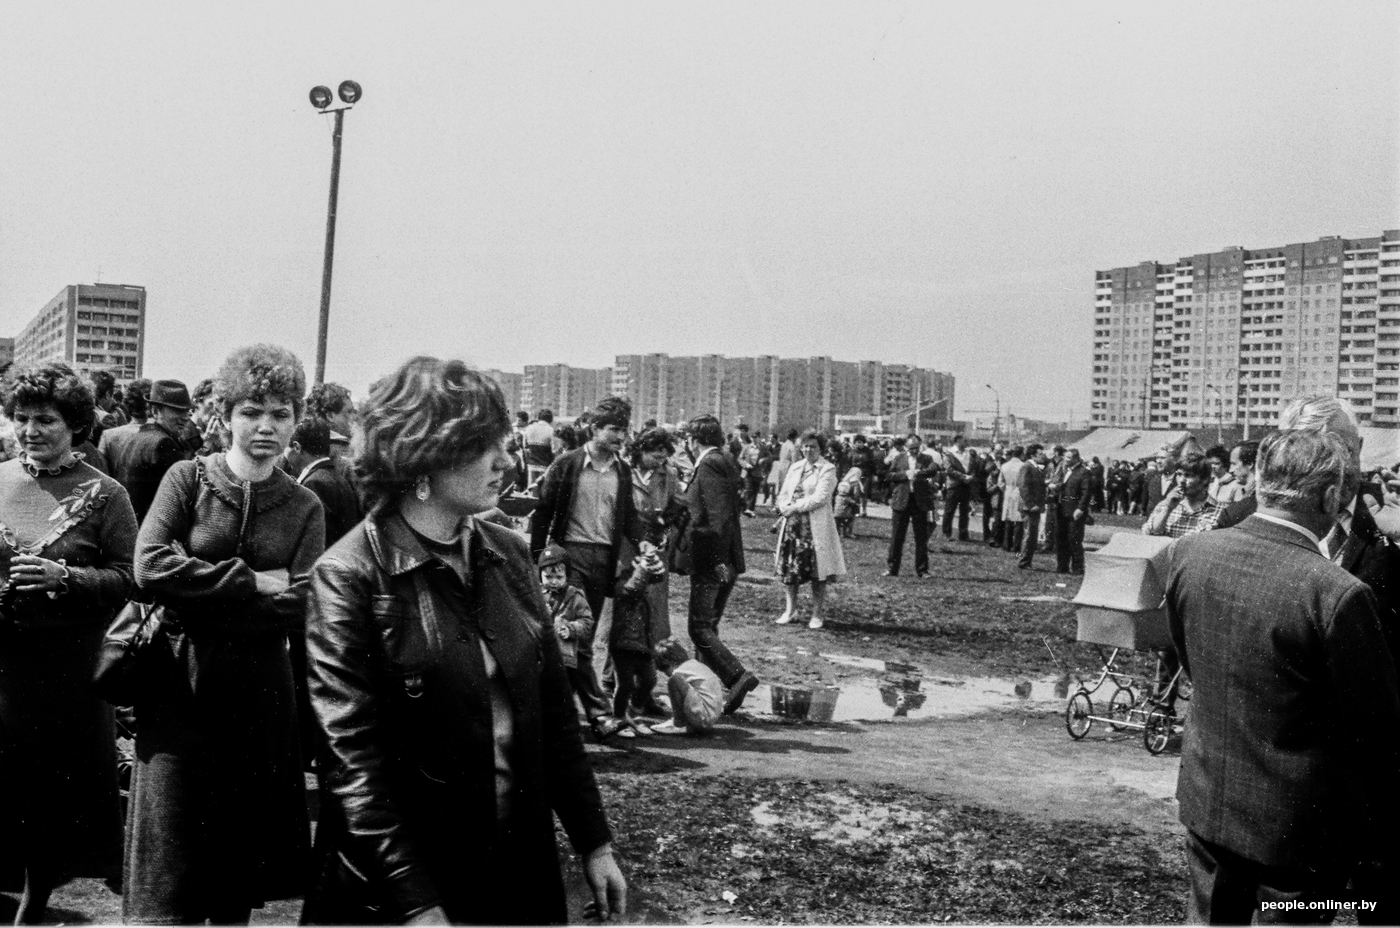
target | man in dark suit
[
  {"x": 1073, "y": 513},
  {"x": 911, "y": 502},
  {"x": 140, "y": 462},
  {"x": 309, "y": 464},
  {"x": 1288, "y": 763},
  {"x": 958, "y": 465},
  {"x": 716, "y": 544},
  {"x": 1032, "y": 487}
]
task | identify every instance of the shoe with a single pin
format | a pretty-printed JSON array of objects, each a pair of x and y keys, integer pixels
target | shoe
[
  {"x": 745, "y": 685},
  {"x": 749, "y": 513},
  {"x": 922, "y": 574},
  {"x": 642, "y": 728},
  {"x": 890, "y": 573},
  {"x": 626, "y": 732},
  {"x": 784, "y": 619},
  {"x": 815, "y": 622},
  {"x": 605, "y": 728},
  {"x": 669, "y": 728}
]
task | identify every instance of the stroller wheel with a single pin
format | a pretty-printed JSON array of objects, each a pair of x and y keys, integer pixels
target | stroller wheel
[
  {"x": 1158, "y": 730},
  {"x": 1077, "y": 715},
  {"x": 1120, "y": 707}
]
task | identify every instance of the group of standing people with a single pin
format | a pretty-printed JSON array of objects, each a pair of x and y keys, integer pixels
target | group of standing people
[{"x": 440, "y": 707}]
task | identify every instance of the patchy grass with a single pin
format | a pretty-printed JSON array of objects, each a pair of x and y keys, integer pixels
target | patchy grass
[{"x": 730, "y": 849}]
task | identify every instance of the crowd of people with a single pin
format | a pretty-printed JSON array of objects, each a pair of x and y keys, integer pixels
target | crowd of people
[{"x": 427, "y": 603}]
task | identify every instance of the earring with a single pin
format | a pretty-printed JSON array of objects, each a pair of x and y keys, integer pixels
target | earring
[{"x": 422, "y": 489}]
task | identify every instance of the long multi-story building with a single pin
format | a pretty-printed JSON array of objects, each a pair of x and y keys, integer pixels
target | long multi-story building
[
  {"x": 90, "y": 327},
  {"x": 777, "y": 394},
  {"x": 567, "y": 391},
  {"x": 1229, "y": 336}
]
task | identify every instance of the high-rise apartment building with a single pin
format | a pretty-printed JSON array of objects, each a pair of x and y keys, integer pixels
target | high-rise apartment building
[
  {"x": 510, "y": 385},
  {"x": 90, "y": 327},
  {"x": 776, "y": 394},
  {"x": 567, "y": 391},
  {"x": 1228, "y": 337}
]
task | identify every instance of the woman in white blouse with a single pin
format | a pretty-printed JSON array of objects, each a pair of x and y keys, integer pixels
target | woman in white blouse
[{"x": 809, "y": 546}]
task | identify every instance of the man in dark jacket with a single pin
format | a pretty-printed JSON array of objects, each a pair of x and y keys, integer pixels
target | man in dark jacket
[
  {"x": 141, "y": 461},
  {"x": 716, "y": 544},
  {"x": 1074, "y": 511},
  {"x": 1032, "y": 487},
  {"x": 912, "y": 498},
  {"x": 309, "y": 463},
  {"x": 1288, "y": 762},
  {"x": 586, "y": 508}
]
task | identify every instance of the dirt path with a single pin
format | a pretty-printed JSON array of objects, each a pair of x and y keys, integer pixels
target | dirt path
[{"x": 1020, "y": 762}]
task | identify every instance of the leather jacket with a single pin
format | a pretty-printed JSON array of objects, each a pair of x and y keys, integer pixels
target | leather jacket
[{"x": 398, "y": 684}]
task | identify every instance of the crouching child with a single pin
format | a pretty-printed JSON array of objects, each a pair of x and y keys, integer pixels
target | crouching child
[{"x": 697, "y": 696}]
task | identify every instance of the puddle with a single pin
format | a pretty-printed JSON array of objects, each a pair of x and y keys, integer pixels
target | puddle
[{"x": 895, "y": 689}]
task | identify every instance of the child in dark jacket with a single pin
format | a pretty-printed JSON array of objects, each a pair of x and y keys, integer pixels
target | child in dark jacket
[
  {"x": 630, "y": 642},
  {"x": 573, "y": 620}
]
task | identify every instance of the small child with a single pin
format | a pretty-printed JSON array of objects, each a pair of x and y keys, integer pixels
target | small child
[
  {"x": 568, "y": 609},
  {"x": 697, "y": 696},
  {"x": 847, "y": 503},
  {"x": 630, "y": 640}
]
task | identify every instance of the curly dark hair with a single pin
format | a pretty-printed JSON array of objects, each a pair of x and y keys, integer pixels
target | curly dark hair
[
  {"x": 427, "y": 415},
  {"x": 134, "y": 398},
  {"x": 56, "y": 384},
  {"x": 260, "y": 373},
  {"x": 815, "y": 435},
  {"x": 103, "y": 383},
  {"x": 328, "y": 399}
]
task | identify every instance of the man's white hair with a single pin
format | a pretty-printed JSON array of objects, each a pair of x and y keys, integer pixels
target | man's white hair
[{"x": 1314, "y": 413}]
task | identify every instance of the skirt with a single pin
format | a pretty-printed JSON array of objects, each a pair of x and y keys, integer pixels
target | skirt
[{"x": 797, "y": 557}]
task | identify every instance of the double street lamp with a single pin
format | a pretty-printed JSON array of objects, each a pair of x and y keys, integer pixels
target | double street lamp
[{"x": 349, "y": 93}]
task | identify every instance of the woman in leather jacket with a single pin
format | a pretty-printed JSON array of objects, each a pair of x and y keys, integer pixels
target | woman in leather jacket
[{"x": 450, "y": 731}]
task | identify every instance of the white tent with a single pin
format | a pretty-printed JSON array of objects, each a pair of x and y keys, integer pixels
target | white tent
[
  {"x": 1110, "y": 444},
  {"x": 1379, "y": 447}
]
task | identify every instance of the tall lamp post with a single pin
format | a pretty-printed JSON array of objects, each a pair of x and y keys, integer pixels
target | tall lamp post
[
  {"x": 1219, "y": 411},
  {"x": 996, "y": 423},
  {"x": 321, "y": 98}
]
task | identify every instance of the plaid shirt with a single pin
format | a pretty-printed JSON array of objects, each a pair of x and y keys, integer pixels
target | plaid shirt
[{"x": 1181, "y": 521}]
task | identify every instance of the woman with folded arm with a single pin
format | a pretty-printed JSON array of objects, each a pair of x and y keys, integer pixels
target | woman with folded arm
[{"x": 218, "y": 820}]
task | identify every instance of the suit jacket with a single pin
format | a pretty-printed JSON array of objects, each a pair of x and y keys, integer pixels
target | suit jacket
[
  {"x": 1289, "y": 757},
  {"x": 920, "y": 492},
  {"x": 716, "y": 535},
  {"x": 1075, "y": 487},
  {"x": 550, "y": 520},
  {"x": 1152, "y": 488},
  {"x": 1032, "y": 488},
  {"x": 338, "y": 498},
  {"x": 140, "y": 462}
]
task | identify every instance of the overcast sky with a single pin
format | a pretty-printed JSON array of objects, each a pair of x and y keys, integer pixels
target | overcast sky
[{"x": 921, "y": 183}]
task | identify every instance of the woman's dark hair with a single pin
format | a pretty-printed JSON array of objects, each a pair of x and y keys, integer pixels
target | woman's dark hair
[
  {"x": 651, "y": 440},
  {"x": 707, "y": 431},
  {"x": 103, "y": 383},
  {"x": 1218, "y": 453},
  {"x": 427, "y": 415},
  {"x": 260, "y": 373},
  {"x": 567, "y": 435},
  {"x": 1249, "y": 452},
  {"x": 56, "y": 384},
  {"x": 813, "y": 435}
]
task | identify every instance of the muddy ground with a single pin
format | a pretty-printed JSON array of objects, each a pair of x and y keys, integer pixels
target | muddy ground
[{"x": 970, "y": 805}]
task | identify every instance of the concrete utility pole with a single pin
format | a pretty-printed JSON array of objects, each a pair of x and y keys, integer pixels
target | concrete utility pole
[{"x": 350, "y": 93}]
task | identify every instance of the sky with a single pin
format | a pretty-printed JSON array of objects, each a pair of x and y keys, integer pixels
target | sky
[{"x": 532, "y": 183}]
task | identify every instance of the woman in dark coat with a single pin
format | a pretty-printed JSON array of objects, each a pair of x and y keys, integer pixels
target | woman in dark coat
[
  {"x": 218, "y": 820},
  {"x": 66, "y": 536},
  {"x": 451, "y": 731}
]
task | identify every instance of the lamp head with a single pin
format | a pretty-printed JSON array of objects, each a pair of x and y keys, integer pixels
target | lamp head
[
  {"x": 321, "y": 97},
  {"x": 350, "y": 92}
]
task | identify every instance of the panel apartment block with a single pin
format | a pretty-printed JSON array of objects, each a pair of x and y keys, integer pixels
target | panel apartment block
[
  {"x": 89, "y": 327},
  {"x": 1230, "y": 336}
]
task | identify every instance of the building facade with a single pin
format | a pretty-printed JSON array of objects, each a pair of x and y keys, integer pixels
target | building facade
[
  {"x": 510, "y": 385},
  {"x": 90, "y": 327},
  {"x": 567, "y": 391},
  {"x": 1229, "y": 337},
  {"x": 778, "y": 394}
]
